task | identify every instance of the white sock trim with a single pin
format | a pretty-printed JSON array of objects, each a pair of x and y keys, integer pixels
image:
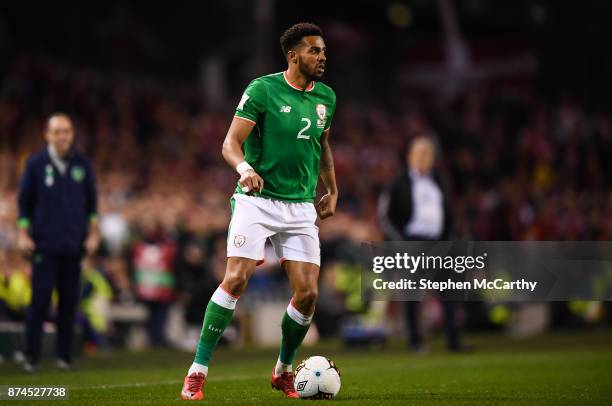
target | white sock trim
[
  {"x": 298, "y": 317},
  {"x": 195, "y": 368},
  {"x": 280, "y": 367},
  {"x": 224, "y": 299}
]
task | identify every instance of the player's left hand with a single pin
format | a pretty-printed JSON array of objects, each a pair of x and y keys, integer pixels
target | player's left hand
[{"x": 327, "y": 205}]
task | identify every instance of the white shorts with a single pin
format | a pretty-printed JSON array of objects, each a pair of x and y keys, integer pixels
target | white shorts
[{"x": 289, "y": 226}]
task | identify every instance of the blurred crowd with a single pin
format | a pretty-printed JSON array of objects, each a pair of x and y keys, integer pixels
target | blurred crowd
[{"x": 518, "y": 167}]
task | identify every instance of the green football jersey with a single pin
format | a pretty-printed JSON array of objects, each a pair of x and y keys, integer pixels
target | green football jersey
[{"x": 284, "y": 147}]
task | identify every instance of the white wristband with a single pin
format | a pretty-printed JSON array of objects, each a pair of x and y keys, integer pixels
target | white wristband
[{"x": 242, "y": 167}]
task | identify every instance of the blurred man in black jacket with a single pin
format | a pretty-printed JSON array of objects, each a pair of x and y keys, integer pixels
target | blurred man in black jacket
[
  {"x": 415, "y": 208},
  {"x": 57, "y": 226}
]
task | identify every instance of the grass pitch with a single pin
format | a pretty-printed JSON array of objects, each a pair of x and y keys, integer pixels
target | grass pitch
[{"x": 569, "y": 368}]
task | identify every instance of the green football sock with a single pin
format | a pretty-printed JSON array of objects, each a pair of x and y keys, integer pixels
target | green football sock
[
  {"x": 293, "y": 335},
  {"x": 216, "y": 319}
]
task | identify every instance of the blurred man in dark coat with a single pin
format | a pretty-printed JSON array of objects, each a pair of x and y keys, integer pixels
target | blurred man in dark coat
[
  {"x": 57, "y": 226},
  {"x": 415, "y": 208}
]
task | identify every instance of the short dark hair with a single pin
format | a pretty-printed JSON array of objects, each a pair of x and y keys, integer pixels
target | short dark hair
[{"x": 294, "y": 35}]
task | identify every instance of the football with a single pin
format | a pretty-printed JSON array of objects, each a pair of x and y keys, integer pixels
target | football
[{"x": 317, "y": 378}]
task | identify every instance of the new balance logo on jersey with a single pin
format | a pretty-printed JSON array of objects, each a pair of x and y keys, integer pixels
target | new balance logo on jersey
[{"x": 285, "y": 109}]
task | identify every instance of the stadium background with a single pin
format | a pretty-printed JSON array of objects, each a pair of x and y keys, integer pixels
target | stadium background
[{"x": 516, "y": 95}]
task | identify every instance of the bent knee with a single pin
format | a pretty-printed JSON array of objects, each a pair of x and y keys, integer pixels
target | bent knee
[
  {"x": 235, "y": 282},
  {"x": 307, "y": 297},
  {"x": 237, "y": 275}
]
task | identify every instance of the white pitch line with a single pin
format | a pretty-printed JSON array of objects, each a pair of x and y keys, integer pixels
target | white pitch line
[{"x": 168, "y": 382}]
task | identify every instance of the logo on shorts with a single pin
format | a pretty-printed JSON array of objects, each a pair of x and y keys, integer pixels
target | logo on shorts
[{"x": 239, "y": 240}]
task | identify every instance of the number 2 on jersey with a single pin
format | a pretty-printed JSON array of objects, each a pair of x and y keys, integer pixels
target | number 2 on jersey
[{"x": 301, "y": 133}]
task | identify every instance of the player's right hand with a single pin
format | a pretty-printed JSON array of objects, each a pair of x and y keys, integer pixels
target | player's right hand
[
  {"x": 25, "y": 244},
  {"x": 250, "y": 181}
]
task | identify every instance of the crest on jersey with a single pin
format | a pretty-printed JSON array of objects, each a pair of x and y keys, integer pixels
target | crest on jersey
[
  {"x": 239, "y": 240},
  {"x": 78, "y": 174},
  {"x": 321, "y": 111}
]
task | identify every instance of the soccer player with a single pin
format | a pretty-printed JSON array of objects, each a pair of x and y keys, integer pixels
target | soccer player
[{"x": 282, "y": 122}]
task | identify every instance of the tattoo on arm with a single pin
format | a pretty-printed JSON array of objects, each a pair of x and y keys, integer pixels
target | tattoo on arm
[
  {"x": 326, "y": 165},
  {"x": 327, "y": 160}
]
